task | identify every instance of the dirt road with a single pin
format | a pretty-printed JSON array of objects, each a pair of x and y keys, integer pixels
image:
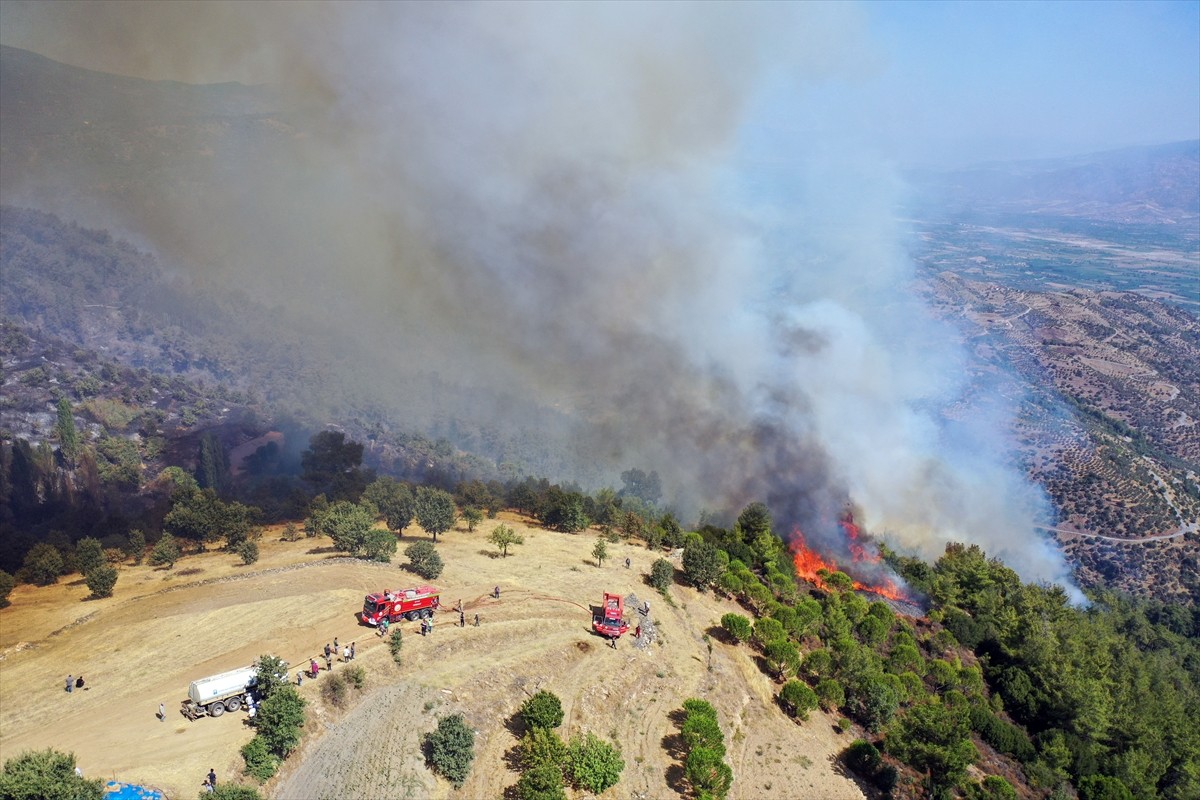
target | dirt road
[{"x": 162, "y": 630}]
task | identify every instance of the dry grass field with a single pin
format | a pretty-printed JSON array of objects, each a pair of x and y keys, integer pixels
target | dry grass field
[{"x": 163, "y": 629}]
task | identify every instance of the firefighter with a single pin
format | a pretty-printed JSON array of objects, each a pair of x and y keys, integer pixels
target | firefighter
[
  {"x": 476, "y": 620},
  {"x": 496, "y": 593},
  {"x": 462, "y": 619}
]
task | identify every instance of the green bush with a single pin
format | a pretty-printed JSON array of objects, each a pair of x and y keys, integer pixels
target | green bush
[
  {"x": 7, "y": 584},
  {"x": 595, "y": 764},
  {"x": 830, "y": 694},
  {"x": 101, "y": 580},
  {"x": 1103, "y": 787},
  {"x": 165, "y": 553},
  {"x": 451, "y": 749},
  {"x": 708, "y": 773},
  {"x": 542, "y": 746},
  {"x": 231, "y": 791},
  {"x": 136, "y": 546},
  {"x": 662, "y": 574},
  {"x": 89, "y": 554},
  {"x": 37, "y": 775},
  {"x": 798, "y": 699},
  {"x": 356, "y": 676},
  {"x": 395, "y": 642},
  {"x": 380, "y": 545},
  {"x": 42, "y": 566},
  {"x": 543, "y": 782},
  {"x": 863, "y": 758},
  {"x": 260, "y": 761},
  {"x": 248, "y": 550},
  {"x": 279, "y": 720},
  {"x": 737, "y": 626},
  {"x": 424, "y": 560},
  {"x": 543, "y": 710},
  {"x": 702, "y": 730},
  {"x": 694, "y": 705}
]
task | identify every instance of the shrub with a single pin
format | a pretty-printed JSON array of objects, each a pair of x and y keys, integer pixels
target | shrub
[
  {"x": 356, "y": 676},
  {"x": 863, "y": 758},
  {"x": 694, "y": 706},
  {"x": 89, "y": 554},
  {"x": 662, "y": 574},
  {"x": 7, "y": 584},
  {"x": 335, "y": 690},
  {"x": 101, "y": 580},
  {"x": 543, "y": 710},
  {"x": 736, "y": 626},
  {"x": 595, "y": 765},
  {"x": 395, "y": 641},
  {"x": 798, "y": 699},
  {"x": 136, "y": 547},
  {"x": 279, "y": 720},
  {"x": 451, "y": 749},
  {"x": 35, "y": 775},
  {"x": 1101, "y": 787},
  {"x": 43, "y": 564},
  {"x": 543, "y": 782},
  {"x": 702, "y": 730},
  {"x": 166, "y": 552},
  {"x": 708, "y": 773},
  {"x": 248, "y": 550},
  {"x": 380, "y": 545},
  {"x": 542, "y": 746},
  {"x": 270, "y": 674},
  {"x": 830, "y": 694},
  {"x": 231, "y": 791},
  {"x": 424, "y": 560},
  {"x": 260, "y": 761}
]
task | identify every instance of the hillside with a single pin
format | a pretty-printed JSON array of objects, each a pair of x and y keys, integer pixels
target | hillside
[{"x": 163, "y": 629}]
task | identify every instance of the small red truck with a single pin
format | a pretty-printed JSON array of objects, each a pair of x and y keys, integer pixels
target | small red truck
[
  {"x": 610, "y": 620},
  {"x": 410, "y": 604}
]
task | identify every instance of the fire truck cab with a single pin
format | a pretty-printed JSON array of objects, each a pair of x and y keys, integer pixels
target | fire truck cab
[
  {"x": 411, "y": 604},
  {"x": 609, "y": 620}
]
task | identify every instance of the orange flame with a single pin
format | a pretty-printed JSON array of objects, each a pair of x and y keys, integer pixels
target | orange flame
[
  {"x": 858, "y": 551},
  {"x": 808, "y": 563}
]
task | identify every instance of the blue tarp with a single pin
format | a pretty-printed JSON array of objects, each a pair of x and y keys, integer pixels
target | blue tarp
[{"x": 127, "y": 791}]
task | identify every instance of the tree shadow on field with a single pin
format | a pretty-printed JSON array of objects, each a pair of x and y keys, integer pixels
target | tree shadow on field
[
  {"x": 677, "y": 779},
  {"x": 316, "y": 551},
  {"x": 721, "y": 635},
  {"x": 492, "y": 554}
]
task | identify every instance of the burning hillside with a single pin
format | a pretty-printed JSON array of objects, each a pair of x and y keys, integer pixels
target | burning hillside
[{"x": 865, "y": 567}]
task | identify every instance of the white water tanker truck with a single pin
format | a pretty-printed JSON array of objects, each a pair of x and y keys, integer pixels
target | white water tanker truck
[{"x": 229, "y": 691}]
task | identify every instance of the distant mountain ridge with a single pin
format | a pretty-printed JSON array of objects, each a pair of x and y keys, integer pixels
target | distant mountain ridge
[{"x": 1153, "y": 184}]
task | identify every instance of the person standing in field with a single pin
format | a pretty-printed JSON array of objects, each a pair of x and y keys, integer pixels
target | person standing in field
[
  {"x": 162, "y": 713},
  {"x": 70, "y": 683}
]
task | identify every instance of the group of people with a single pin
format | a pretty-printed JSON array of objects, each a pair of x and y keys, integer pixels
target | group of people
[
  {"x": 74, "y": 683},
  {"x": 346, "y": 652}
]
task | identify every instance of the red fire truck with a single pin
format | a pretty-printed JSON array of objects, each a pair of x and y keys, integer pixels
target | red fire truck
[
  {"x": 610, "y": 619},
  {"x": 409, "y": 604}
]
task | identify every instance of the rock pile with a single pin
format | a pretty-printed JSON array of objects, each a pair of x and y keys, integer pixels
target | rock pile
[{"x": 643, "y": 619}]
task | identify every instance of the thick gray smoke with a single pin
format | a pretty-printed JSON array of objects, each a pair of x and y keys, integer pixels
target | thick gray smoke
[{"x": 559, "y": 201}]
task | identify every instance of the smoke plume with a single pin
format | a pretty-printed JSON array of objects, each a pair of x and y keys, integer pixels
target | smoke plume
[{"x": 570, "y": 202}]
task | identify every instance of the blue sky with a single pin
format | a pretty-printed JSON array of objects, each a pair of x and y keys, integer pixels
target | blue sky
[{"x": 950, "y": 82}]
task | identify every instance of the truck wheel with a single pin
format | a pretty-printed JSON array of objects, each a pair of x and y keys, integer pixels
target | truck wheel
[
  {"x": 411, "y": 616},
  {"x": 426, "y": 613},
  {"x": 216, "y": 709},
  {"x": 233, "y": 704}
]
